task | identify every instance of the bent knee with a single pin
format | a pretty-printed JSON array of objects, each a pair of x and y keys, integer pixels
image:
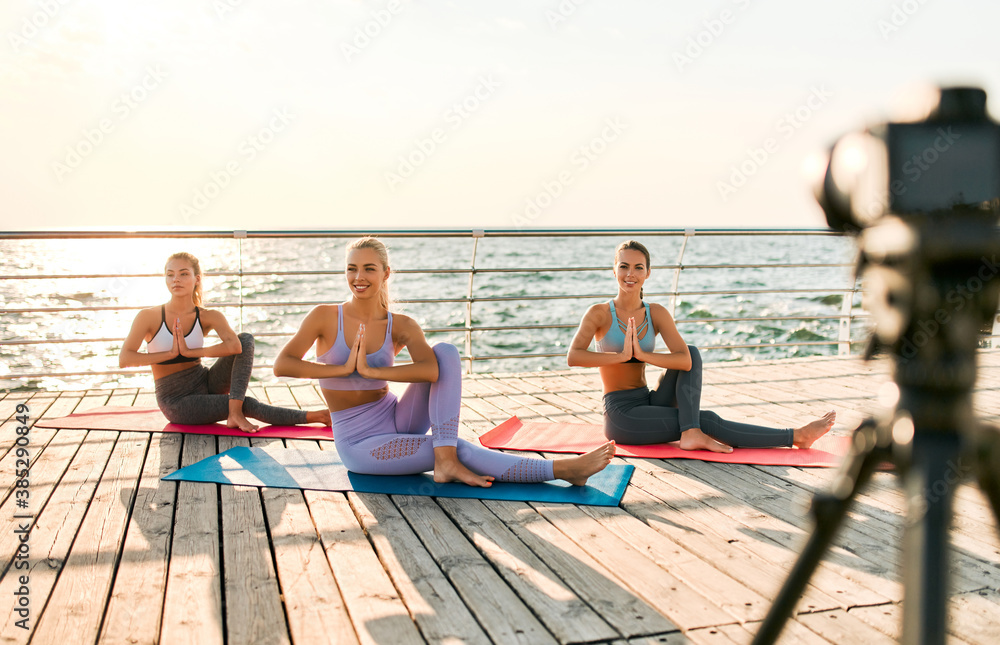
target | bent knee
[
  {"x": 446, "y": 352},
  {"x": 246, "y": 340}
]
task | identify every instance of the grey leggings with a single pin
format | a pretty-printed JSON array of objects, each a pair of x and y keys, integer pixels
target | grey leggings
[
  {"x": 201, "y": 395},
  {"x": 641, "y": 416}
]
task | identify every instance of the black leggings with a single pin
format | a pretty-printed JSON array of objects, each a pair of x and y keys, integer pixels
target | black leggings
[
  {"x": 201, "y": 395},
  {"x": 641, "y": 416}
]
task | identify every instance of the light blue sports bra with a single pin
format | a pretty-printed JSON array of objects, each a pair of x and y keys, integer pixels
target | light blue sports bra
[
  {"x": 614, "y": 340},
  {"x": 337, "y": 355}
]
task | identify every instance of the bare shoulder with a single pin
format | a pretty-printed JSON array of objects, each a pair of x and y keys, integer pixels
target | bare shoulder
[
  {"x": 660, "y": 315},
  {"x": 404, "y": 326},
  {"x": 658, "y": 311},
  {"x": 149, "y": 318},
  {"x": 599, "y": 313},
  {"x": 322, "y": 311},
  {"x": 211, "y": 316}
]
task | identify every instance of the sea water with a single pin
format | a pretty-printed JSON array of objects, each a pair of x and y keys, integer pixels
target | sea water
[{"x": 283, "y": 278}]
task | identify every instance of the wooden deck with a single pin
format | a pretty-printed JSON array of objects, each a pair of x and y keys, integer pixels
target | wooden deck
[{"x": 694, "y": 554}]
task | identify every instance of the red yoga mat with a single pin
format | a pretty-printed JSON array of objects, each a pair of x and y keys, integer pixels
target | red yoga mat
[
  {"x": 127, "y": 419},
  {"x": 514, "y": 434}
]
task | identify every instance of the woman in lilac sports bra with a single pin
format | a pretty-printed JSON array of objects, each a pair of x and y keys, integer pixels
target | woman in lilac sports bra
[
  {"x": 376, "y": 433},
  {"x": 186, "y": 391},
  {"x": 626, "y": 329}
]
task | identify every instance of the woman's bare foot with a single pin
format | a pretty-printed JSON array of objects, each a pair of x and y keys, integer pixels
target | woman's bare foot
[
  {"x": 318, "y": 416},
  {"x": 447, "y": 468},
  {"x": 695, "y": 439},
  {"x": 807, "y": 434},
  {"x": 241, "y": 422},
  {"x": 577, "y": 470},
  {"x": 237, "y": 419}
]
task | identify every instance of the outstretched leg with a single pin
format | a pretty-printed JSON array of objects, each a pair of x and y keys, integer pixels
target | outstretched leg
[
  {"x": 231, "y": 375},
  {"x": 436, "y": 406}
]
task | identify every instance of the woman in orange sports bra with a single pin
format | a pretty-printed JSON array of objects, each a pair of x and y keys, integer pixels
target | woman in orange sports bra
[
  {"x": 625, "y": 330},
  {"x": 187, "y": 391}
]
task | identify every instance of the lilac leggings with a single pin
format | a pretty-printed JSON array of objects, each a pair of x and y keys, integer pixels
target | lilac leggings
[{"x": 390, "y": 436}]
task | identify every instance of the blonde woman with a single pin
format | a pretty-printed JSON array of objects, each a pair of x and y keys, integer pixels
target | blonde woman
[{"x": 187, "y": 392}]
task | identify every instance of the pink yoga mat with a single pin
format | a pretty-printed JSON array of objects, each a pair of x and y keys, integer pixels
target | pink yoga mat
[
  {"x": 152, "y": 420},
  {"x": 514, "y": 434}
]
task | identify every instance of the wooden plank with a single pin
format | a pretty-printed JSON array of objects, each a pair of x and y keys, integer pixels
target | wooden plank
[
  {"x": 37, "y": 439},
  {"x": 670, "y": 638},
  {"x": 676, "y": 519},
  {"x": 703, "y": 502},
  {"x": 53, "y": 533},
  {"x": 733, "y": 597},
  {"x": 712, "y": 636},
  {"x": 765, "y": 509},
  {"x": 254, "y": 612},
  {"x": 135, "y": 609},
  {"x": 976, "y": 616},
  {"x": 888, "y": 620},
  {"x": 973, "y": 542},
  {"x": 682, "y": 604},
  {"x": 867, "y": 539},
  {"x": 793, "y": 633},
  {"x": 589, "y": 579},
  {"x": 50, "y": 452},
  {"x": 84, "y": 584},
  {"x": 313, "y": 603},
  {"x": 375, "y": 607},
  {"x": 567, "y": 616},
  {"x": 433, "y": 603},
  {"x": 192, "y": 606},
  {"x": 500, "y": 612},
  {"x": 838, "y": 626}
]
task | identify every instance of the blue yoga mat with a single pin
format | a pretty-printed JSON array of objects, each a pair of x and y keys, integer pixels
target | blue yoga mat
[{"x": 323, "y": 470}]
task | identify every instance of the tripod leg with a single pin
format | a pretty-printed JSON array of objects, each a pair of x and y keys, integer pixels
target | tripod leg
[
  {"x": 828, "y": 510},
  {"x": 929, "y": 484},
  {"x": 987, "y": 465}
]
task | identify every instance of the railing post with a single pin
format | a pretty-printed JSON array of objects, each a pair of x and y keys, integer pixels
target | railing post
[
  {"x": 240, "y": 236},
  {"x": 846, "y": 318},
  {"x": 476, "y": 234},
  {"x": 688, "y": 233}
]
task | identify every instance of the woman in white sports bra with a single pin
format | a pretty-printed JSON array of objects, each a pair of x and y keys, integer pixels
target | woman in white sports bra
[{"x": 187, "y": 391}]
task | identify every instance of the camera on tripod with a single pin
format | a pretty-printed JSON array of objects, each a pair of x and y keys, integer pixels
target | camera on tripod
[{"x": 923, "y": 197}]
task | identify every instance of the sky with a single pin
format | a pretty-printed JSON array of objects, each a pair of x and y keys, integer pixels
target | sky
[{"x": 265, "y": 115}]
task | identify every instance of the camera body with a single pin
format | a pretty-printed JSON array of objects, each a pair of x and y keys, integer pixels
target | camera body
[{"x": 924, "y": 200}]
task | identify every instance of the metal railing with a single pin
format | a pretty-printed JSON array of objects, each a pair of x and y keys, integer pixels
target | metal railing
[{"x": 848, "y": 291}]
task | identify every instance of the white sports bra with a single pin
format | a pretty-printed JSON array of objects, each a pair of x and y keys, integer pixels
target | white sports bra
[{"x": 163, "y": 340}]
